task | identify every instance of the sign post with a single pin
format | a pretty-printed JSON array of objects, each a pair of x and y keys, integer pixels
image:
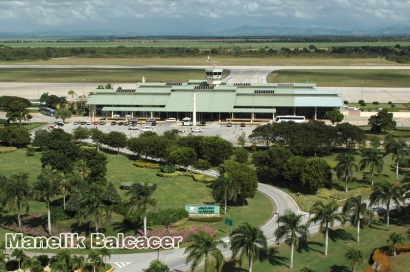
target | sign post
[{"x": 228, "y": 223}]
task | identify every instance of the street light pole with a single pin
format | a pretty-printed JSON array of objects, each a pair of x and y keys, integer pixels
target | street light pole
[
  {"x": 362, "y": 91},
  {"x": 83, "y": 86},
  {"x": 38, "y": 88}
]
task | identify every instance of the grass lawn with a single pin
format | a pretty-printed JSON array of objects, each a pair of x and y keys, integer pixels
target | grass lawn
[
  {"x": 345, "y": 78},
  {"x": 170, "y": 193},
  {"x": 220, "y": 61},
  {"x": 311, "y": 253}
]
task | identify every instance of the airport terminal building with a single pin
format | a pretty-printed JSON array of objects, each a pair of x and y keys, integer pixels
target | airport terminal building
[{"x": 214, "y": 99}]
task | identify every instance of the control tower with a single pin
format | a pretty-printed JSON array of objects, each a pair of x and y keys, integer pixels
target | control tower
[{"x": 213, "y": 76}]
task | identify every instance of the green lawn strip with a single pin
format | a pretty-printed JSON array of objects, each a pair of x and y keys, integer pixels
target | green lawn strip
[
  {"x": 220, "y": 61},
  {"x": 400, "y": 262},
  {"x": 99, "y": 76},
  {"x": 373, "y": 107},
  {"x": 346, "y": 78},
  {"x": 17, "y": 162}
]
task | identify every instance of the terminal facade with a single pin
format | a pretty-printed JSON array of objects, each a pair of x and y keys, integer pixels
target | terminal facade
[{"x": 214, "y": 99}]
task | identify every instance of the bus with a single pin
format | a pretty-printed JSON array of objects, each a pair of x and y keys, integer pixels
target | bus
[
  {"x": 290, "y": 118},
  {"x": 48, "y": 111}
]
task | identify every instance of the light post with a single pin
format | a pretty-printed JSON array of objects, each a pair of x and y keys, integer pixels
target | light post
[
  {"x": 362, "y": 91},
  {"x": 276, "y": 213},
  {"x": 38, "y": 88},
  {"x": 83, "y": 86}
]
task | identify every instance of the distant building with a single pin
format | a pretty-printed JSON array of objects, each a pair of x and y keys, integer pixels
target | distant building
[{"x": 216, "y": 99}]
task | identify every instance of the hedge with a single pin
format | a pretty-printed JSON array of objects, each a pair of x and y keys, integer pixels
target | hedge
[
  {"x": 7, "y": 149},
  {"x": 205, "y": 219},
  {"x": 146, "y": 164}
]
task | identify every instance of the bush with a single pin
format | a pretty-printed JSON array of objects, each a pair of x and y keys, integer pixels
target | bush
[
  {"x": 30, "y": 151},
  {"x": 166, "y": 217},
  {"x": 389, "y": 102},
  {"x": 363, "y": 104},
  {"x": 7, "y": 149},
  {"x": 12, "y": 265},
  {"x": 361, "y": 101},
  {"x": 44, "y": 260},
  {"x": 146, "y": 164},
  {"x": 180, "y": 223},
  {"x": 170, "y": 175},
  {"x": 167, "y": 168},
  {"x": 392, "y": 105},
  {"x": 205, "y": 219},
  {"x": 346, "y": 102},
  {"x": 376, "y": 103},
  {"x": 58, "y": 214}
]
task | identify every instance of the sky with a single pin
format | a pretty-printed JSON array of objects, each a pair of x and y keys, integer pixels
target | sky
[{"x": 179, "y": 17}]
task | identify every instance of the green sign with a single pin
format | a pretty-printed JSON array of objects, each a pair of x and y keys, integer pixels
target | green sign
[
  {"x": 228, "y": 222},
  {"x": 203, "y": 209}
]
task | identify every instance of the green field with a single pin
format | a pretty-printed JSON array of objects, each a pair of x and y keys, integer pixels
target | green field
[
  {"x": 345, "y": 78},
  {"x": 100, "y": 75},
  {"x": 216, "y": 61},
  {"x": 228, "y": 43}
]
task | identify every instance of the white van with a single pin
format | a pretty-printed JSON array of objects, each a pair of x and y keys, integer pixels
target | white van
[
  {"x": 172, "y": 119},
  {"x": 146, "y": 128}
]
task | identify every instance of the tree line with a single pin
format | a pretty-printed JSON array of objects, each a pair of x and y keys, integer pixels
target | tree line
[{"x": 397, "y": 53}]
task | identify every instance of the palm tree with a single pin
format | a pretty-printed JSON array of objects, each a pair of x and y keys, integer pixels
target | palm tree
[
  {"x": 202, "y": 246},
  {"x": 246, "y": 240},
  {"x": 94, "y": 258},
  {"x": 385, "y": 192},
  {"x": 355, "y": 257},
  {"x": 354, "y": 207},
  {"x": 4, "y": 258},
  {"x": 47, "y": 187},
  {"x": 32, "y": 264},
  {"x": 398, "y": 149},
  {"x": 327, "y": 215},
  {"x": 225, "y": 188},
  {"x": 16, "y": 192},
  {"x": 72, "y": 93},
  {"x": 77, "y": 262},
  {"x": 371, "y": 157},
  {"x": 394, "y": 240},
  {"x": 291, "y": 223},
  {"x": 345, "y": 167},
  {"x": 157, "y": 266},
  {"x": 104, "y": 252},
  {"x": 94, "y": 206},
  {"x": 65, "y": 187},
  {"x": 141, "y": 197},
  {"x": 19, "y": 255}
]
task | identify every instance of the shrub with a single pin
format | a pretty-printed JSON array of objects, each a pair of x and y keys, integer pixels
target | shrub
[
  {"x": 332, "y": 164},
  {"x": 205, "y": 219},
  {"x": 44, "y": 260},
  {"x": 363, "y": 104},
  {"x": 376, "y": 103},
  {"x": 346, "y": 102},
  {"x": 180, "y": 223},
  {"x": 166, "y": 217},
  {"x": 361, "y": 101},
  {"x": 146, "y": 164},
  {"x": 392, "y": 105},
  {"x": 12, "y": 265},
  {"x": 170, "y": 175},
  {"x": 167, "y": 168},
  {"x": 58, "y": 214},
  {"x": 7, "y": 149},
  {"x": 30, "y": 151},
  {"x": 389, "y": 102}
]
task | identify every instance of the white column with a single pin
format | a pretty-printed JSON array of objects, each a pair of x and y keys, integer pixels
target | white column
[
  {"x": 315, "y": 113},
  {"x": 194, "y": 112}
]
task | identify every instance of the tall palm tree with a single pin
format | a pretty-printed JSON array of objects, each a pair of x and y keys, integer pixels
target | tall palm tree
[
  {"x": 94, "y": 206},
  {"x": 4, "y": 258},
  {"x": 157, "y": 266},
  {"x": 394, "y": 240},
  {"x": 225, "y": 188},
  {"x": 47, "y": 187},
  {"x": 371, "y": 158},
  {"x": 354, "y": 207},
  {"x": 141, "y": 197},
  {"x": 345, "y": 167},
  {"x": 399, "y": 149},
  {"x": 77, "y": 261},
  {"x": 94, "y": 258},
  {"x": 246, "y": 240},
  {"x": 355, "y": 257},
  {"x": 202, "y": 246},
  {"x": 291, "y": 224},
  {"x": 65, "y": 187},
  {"x": 385, "y": 192},
  {"x": 327, "y": 215},
  {"x": 16, "y": 194},
  {"x": 19, "y": 255}
]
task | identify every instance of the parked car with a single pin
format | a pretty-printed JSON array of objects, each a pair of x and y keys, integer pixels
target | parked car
[
  {"x": 96, "y": 123},
  {"x": 150, "y": 120},
  {"x": 229, "y": 124},
  {"x": 102, "y": 123},
  {"x": 88, "y": 123},
  {"x": 146, "y": 128},
  {"x": 113, "y": 123},
  {"x": 154, "y": 123},
  {"x": 171, "y": 119},
  {"x": 243, "y": 125},
  {"x": 126, "y": 123},
  {"x": 75, "y": 123},
  {"x": 133, "y": 127},
  {"x": 60, "y": 124},
  {"x": 121, "y": 123},
  {"x": 82, "y": 122},
  {"x": 197, "y": 129}
]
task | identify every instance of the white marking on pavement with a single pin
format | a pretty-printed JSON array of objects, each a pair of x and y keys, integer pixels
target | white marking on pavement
[{"x": 122, "y": 264}]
